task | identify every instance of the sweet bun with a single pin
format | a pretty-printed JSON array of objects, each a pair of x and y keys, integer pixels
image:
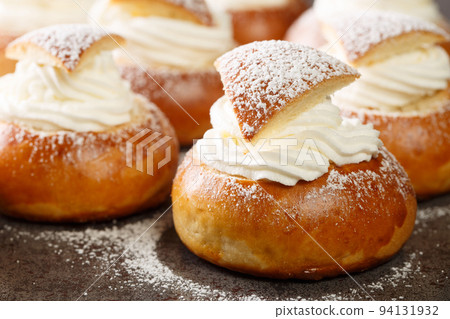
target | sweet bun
[
  {"x": 49, "y": 47},
  {"x": 172, "y": 45},
  {"x": 56, "y": 174},
  {"x": 349, "y": 218},
  {"x": 415, "y": 129},
  {"x": 306, "y": 30},
  {"x": 381, "y": 35}
]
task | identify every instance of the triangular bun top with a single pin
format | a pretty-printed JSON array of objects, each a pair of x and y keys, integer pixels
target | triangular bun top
[
  {"x": 269, "y": 83},
  {"x": 378, "y": 35},
  {"x": 65, "y": 46},
  {"x": 190, "y": 10}
]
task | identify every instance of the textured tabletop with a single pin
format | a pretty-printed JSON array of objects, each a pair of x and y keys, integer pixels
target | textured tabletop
[{"x": 51, "y": 262}]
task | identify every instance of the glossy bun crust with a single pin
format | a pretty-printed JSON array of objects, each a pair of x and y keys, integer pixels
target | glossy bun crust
[
  {"x": 194, "y": 91},
  {"x": 307, "y": 30},
  {"x": 361, "y": 214},
  {"x": 266, "y": 23},
  {"x": 421, "y": 143},
  {"x": 77, "y": 176}
]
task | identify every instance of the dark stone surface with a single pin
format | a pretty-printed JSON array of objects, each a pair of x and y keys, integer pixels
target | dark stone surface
[{"x": 57, "y": 262}]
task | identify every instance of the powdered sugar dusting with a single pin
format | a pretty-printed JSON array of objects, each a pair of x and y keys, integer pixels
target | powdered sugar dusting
[
  {"x": 357, "y": 38},
  {"x": 66, "y": 42},
  {"x": 365, "y": 182},
  {"x": 262, "y": 78},
  {"x": 74, "y": 146},
  {"x": 171, "y": 81}
]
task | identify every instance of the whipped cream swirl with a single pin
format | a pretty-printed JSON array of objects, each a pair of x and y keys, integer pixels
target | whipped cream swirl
[
  {"x": 395, "y": 83},
  {"x": 424, "y": 9},
  {"x": 225, "y": 5},
  {"x": 302, "y": 150},
  {"x": 19, "y": 17},
  {"x": 92, "y": 98},
  {"x": 165, "y": 42}
]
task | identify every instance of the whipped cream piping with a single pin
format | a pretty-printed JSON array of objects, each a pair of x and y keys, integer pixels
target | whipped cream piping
[
  {"x": 159, "y": 41},
  {"x": 395, "y": 83},
  {"x": 19, "y": 17},
  {"x": 424, "y": 9},
  {"x": 313, "y": 140},
  {"x": 92, "y": 98}
]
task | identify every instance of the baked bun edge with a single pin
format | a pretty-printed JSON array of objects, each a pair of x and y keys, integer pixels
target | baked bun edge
[
  {"x": 64, "y": 46},
  {"x": 420, "y": 142},
  {"x": 361, "y": 214}
]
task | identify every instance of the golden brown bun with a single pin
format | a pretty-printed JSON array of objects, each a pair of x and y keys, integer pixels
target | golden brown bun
[
  {"x": 194, "y": 91},
  {"x": 266, "y": 23},
  {"x": 306, "y": 30},
  {"x": 77, "y": 176},
  {"x": 195, "y": 11},
  {"x": 421, "y": 143},
  {"x": 380, "y": 35},
  {"x": 361, "y": 214}
]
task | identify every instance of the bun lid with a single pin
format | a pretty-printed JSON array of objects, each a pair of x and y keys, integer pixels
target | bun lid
[
  {"x": 269, "y": 83},
  {"x": 65, "y": 46},
  {"x": 379, "y": 35},
  {"x": 196, "y": 11}
]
